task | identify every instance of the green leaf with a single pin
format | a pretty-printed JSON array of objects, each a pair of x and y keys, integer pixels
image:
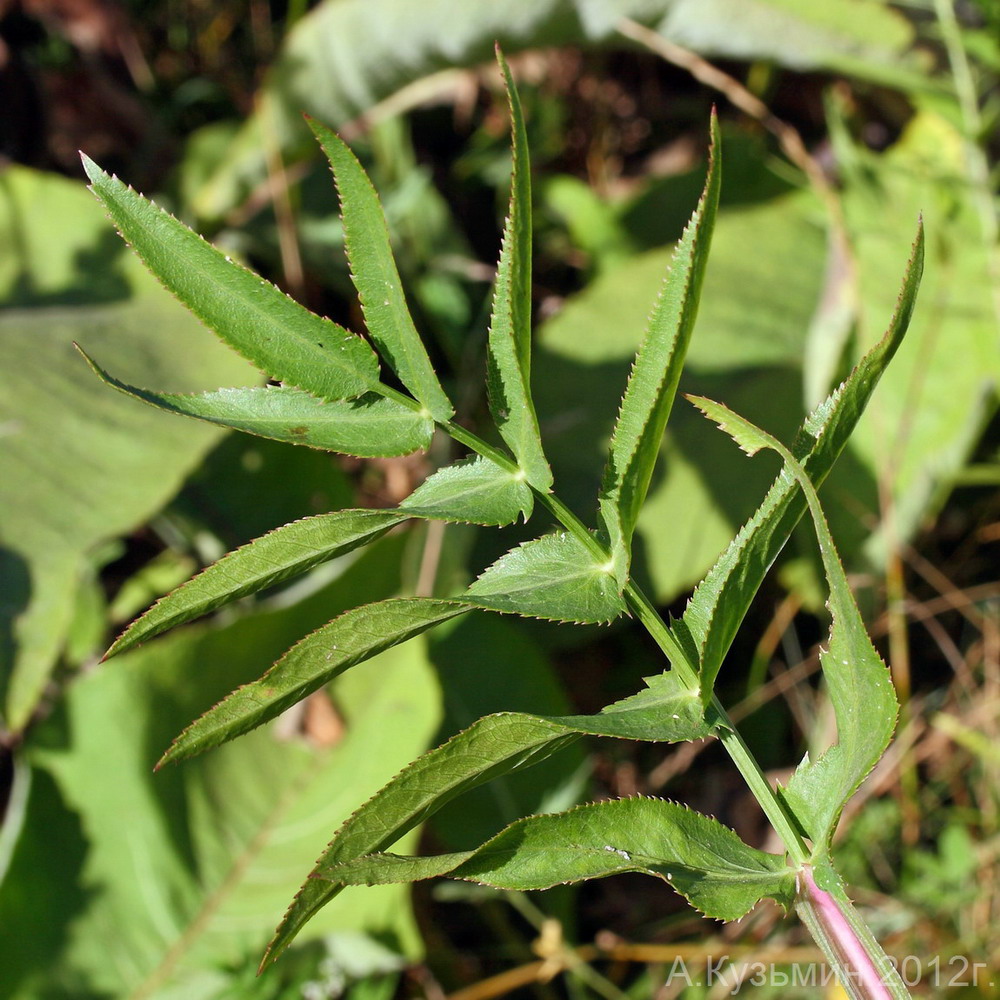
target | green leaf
[
  {"x": 368, "y": 426},
  {"x": 858, "y": 682},
  {"x": 555, "y": 577},
  {"x": 285, "y": 552},
  {"x": 474, "y": 490},
  {"x": 721, "y": 600},
  {"x": 79, "y": 465},
  {"x": 491, "y": 747},
  {"x": 518, "y": 228},
  {"x": 664, "y": 708},
  {"x": 350, "y": 639},
  {"x": 278, "y": 335},
  {"x": 508, "y": 372},
  {"x": 387, "y": 317},
  {"x": 652, "y": 384},
  {"x": 657, "y": 713},
  {"x": 748, "y": 436},
  {"x": 703, "y": 860}
]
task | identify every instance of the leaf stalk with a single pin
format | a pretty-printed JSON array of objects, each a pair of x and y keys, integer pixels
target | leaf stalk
[
  {"x": 643, "y": 608},
  {"x": 861, "y": 965}
]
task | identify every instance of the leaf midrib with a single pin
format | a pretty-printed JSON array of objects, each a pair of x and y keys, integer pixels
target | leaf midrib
[
  {"x": 362, "y": 415},
  {"x": 732, "y": 873}
]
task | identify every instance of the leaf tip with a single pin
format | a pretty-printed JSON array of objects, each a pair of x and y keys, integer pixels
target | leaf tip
[
  {"x": 94, "y": 366},
  {"x": 748, "y": 437},
  {"x": 174, "y": 753},
  {"x": 918, "y": 240},
  {"x": 715, "y": 412},
  {"x": 714, "y": 139},
  {"x": 90, "y": 168},
  {"x": 319, "y": 130},
  {"x": 122, "y": 644}
]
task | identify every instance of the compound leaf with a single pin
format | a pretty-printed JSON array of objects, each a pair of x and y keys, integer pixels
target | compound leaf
[
  {"x": 721, "y": 600},
  {"x": 349, "y": 639},
  {"x": 474, "y": 490},
  {"x": 857, "y": 680},
  {"x": 255, "y": 318},
  {"x": 376, "y": 278},
  {"x": 368, "y": 426},
  {"x": 555, "y": 577},
  {"x": 656, "y": 371},
  {"x": 280, "y": 554},
  {"x": 509, "y": 344},
  {"x": 702, "y": 859}
]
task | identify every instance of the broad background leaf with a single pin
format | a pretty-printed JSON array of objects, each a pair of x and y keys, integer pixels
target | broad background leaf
[
  {"x": 941, "y": 389},
  {"x": 347, "y": 55},
  {"x": 182, "y": 876},
  {"x": 66, "y": 276}
]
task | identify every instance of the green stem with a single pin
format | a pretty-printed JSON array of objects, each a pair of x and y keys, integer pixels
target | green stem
[
  {"x": 765, "y": 795},
  {"x": 644, "y": 609},
  {"x": 726, "y": 730},
  {"x": 651, "y": 620}
]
